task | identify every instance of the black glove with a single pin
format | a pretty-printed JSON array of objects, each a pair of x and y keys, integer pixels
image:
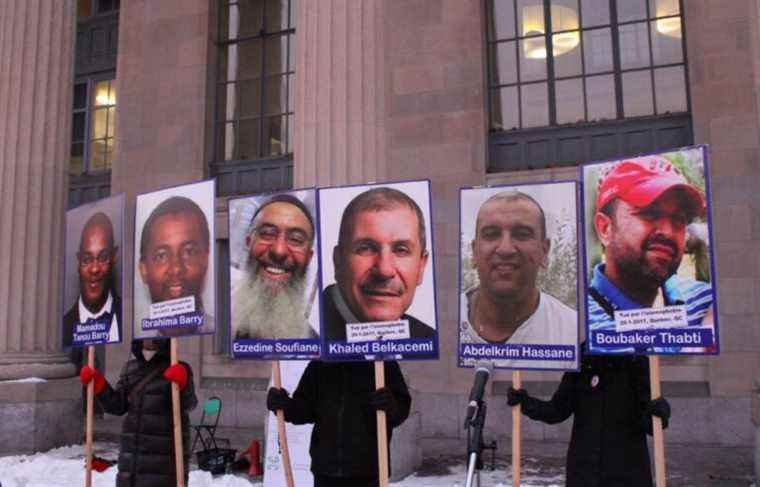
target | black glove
[
  {"x": 516, "y": 396},
  {"x": 661, "y": 408},
  {"x": 277, "y": 399},
  {"x": 382, "y": 399}
]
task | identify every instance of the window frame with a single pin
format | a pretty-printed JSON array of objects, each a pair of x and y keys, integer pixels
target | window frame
[
  {"x": 551, "y": 81},
  {"x": 89, "y": 110},
  {"x": 263, "y": 152}
]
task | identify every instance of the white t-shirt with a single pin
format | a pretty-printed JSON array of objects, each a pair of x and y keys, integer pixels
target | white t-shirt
[{"x": 553, "y": 323}]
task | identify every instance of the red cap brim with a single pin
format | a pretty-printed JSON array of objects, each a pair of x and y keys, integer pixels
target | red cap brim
[{"x": 647, "y": 191}]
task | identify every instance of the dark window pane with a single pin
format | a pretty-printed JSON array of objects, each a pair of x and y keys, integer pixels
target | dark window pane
[
  {"x": 276, "y": 15},
  {"x": 530, "y": 17},
  {"x": 80, "y": 96},
  {"x": 535, "y": 105},
  {"x": 274, "y": 130},
  {"x": 637, "y": 93},
  {"x": 99, "y": 41},
  {"x": 666, "y": 48},
  {"x": 502, "y": 20},
  {"x": 277, "y": 55},
  {"x": 248, "y": 140},
  {"x": 224, "y": 53},
  {"x": 249, "y": 59},
  {"x": 532, "y": 59},
  {"x": 276, "y": 92},
  {"x": 76, "y": 159},
  {"x": 597, "y": 50},
  {"x": 107, "y": 6},
  {"x": 564, "y": 15},
  {"x": 595, "y": 12},
  {"x": 663, "y": 8},
  {"x": 634, "y": 46},
  {"x": 567, "y": 54},
  {"x": 569, "y": 95},
  {"x": 631, "y": 10},
  {"x": 505, "y": 114},
  {"x": 247, "y": 18},
  {"x": 250, "y": 98},
  {"x": 600, "y": 96},
  {"x": 77, "y": 127},
  {"x": 670, "y": 88},
  {"x": 504, "y": 65}
]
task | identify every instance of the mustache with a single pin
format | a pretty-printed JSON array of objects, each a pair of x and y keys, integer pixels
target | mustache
[
  {"x": 660, "y": 240},
  {"x": 373, "y": 286}
]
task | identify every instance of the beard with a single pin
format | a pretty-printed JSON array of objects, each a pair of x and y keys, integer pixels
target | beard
[
  {"x": 270, "y": 310},
  {"x": 637, "y": 269}
]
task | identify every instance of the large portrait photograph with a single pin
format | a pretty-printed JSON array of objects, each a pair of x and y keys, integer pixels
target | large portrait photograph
[
  {"x": 649, "y": 255},
  {"x": 93, "y": 274},
  {"x": 274, "y": 278},
  {"x": 174, "y": 285},
  {"x": 378, "y": 296},
  {"x": 518, "y": 282}
]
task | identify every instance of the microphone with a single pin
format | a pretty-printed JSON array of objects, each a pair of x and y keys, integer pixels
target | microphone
[{"x": 482, "y": 372}]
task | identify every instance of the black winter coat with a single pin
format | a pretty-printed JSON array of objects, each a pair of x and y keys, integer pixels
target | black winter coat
[
  {"x": 335, "y": 397},
  {"x": 146, "y": 456},
  {"x": 608, "y": 447}
]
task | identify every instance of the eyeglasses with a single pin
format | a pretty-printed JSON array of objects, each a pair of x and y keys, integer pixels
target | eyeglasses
[
  {"x": 294, "y": 237},
  {"x": 87, "y": 259}
]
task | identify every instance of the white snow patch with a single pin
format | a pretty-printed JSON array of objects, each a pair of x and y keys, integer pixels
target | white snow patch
[{"x": 24, "y": 380}]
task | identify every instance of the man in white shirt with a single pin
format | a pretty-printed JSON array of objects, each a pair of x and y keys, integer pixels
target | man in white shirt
[{"x": 509, "y": 249}]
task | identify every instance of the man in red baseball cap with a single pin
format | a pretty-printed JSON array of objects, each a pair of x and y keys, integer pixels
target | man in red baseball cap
[{"x": 642, "y": 209}]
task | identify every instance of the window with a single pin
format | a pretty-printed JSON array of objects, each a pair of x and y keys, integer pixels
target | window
[
  {"x": 557, "y": 62},
  {"x": 93, "y": 126},
  {"x": 254, "y": 101}
]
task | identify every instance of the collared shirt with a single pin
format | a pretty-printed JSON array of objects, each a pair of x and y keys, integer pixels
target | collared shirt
[
  {"x": 697, "y": 296},
  {"x": 552, "y": 323},
  {"x": 85, "y": 314},
  {"x": 341, "y": 306}
]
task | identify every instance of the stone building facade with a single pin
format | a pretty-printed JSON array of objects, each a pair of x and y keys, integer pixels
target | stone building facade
[{"x": 369, "y": 90}]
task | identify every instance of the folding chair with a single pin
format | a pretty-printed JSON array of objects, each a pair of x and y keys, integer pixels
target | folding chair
[{"x": 206, "y": 429}]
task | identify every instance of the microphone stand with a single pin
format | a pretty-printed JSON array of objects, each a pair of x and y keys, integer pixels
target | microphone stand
[{"x": 475, "y": 443}]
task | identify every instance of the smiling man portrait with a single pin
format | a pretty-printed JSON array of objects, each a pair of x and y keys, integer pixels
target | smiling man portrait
[
  {"x": 272, "y": 301},
  {"x": 379, "y": 261}
]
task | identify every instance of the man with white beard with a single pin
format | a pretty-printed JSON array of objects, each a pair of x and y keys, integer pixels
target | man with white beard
[{"x": 270, "y": 303}]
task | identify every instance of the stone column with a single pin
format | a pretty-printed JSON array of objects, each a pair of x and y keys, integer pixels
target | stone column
[
  {"x": 36, "y": 62},
  {"x": 339, "y": 105}
]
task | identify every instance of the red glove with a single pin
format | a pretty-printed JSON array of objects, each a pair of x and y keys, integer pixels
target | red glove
[
  {"x": 88, "y": 374},
  {"x": 101, "y": 464},
  {"x": 177, "y": 373}
]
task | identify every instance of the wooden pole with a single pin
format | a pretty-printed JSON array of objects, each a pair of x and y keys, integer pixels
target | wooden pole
[
  {"x": 382, "y": 432},
  {"x": 176, "y": 412},
  {"x": 282, "y": 435},
  {"x": 89, "y": 419},
  {"x": 516, "y": 434},
  {"x": 659, "y": 444}
]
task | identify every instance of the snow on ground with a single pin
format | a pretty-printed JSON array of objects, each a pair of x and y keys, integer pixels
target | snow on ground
[
  {"x": 26, "y": 380},
  {"x": 64, "y": 467}
]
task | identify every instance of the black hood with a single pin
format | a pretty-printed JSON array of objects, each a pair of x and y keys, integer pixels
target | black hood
[{"x": 161, "y": 353}]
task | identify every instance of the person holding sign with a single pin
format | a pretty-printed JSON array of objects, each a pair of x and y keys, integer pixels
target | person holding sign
[
  {"x": 341, "y": 400},
  {"x": 97, "y": 300},
  {"x": 271, "y": 302},
  {"x": 174, "y": 254},
  {"x": 143, "y": 393},
  {"x": 509, "y": 249},
  {"x": 379, "y": 261},
  {"x": 643, "y": 207},
  {"x": 609, "y": 399}
]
